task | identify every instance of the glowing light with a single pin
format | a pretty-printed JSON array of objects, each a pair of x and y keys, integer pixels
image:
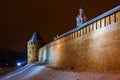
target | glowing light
[
  {"x": 7, "y": 64},
  {"x": 18, "y": 64}
]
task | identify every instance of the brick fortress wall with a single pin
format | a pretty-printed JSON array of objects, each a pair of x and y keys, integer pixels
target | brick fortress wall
[{"x": 96, "y": 47}]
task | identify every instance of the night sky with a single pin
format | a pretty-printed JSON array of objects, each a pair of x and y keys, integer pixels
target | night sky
[{"x": 20, "y": 18}]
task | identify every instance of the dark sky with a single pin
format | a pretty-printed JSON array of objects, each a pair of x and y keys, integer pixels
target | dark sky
[{"x": 20, "y": 18}]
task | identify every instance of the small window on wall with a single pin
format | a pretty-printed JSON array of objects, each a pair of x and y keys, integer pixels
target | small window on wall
[
  {"x": 32, "y": 47},
  {"x": 38, "y": 43},
  {"x": 31, "y": 43},
  {"x": 80, "y": 21}
]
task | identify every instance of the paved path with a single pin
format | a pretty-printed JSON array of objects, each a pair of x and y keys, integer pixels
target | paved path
[{"x": 35, "y": 72}]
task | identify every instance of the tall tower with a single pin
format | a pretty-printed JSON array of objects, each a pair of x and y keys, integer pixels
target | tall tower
[
  {"x": 81, "y": 18},
  {"x": 33, "y": 46}
]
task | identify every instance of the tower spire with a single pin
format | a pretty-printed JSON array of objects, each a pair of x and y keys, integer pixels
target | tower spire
[{"x": 81, "y": 18}]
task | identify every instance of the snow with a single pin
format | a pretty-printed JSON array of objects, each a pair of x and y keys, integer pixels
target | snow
[
  {"x": 35, "y": 37},
  {"x": 37, "y": 72}
]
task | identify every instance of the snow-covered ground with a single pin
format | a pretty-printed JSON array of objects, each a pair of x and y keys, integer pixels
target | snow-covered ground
[
  {"x": 36, "y": 72},
  {"x": 6, "y": 70}
]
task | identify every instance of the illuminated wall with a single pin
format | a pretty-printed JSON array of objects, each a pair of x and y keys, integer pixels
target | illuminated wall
[
  {"x": 33, "y": 52},
  {"x": 95, "y": 47},
  {"x": 43, "y": 55}
]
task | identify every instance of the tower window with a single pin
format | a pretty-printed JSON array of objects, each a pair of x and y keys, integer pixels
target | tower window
[
  {"x": 80, "y": 21},
  {"x": 32, "y": 47},
  {"x": 31, "y": 43}
]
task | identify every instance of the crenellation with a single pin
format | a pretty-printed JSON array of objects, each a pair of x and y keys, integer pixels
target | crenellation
[
  {"x": 91, "y": 27},
  {"x": 81, "y": 30},
  {"x": 75, "y": 34},
  {"x": 93, "y": 47},
  {"x": 112, "y": 17},
  {"x": 71, "y": 37},
  {"x": 68, "y": 38},
  {"x": 88, "y": 30},
  {"x": 98, "y": 24},
  {"x": 84, "y": 30},
  {"x": 102, "y": 22},
  {"x": 78, "y": 33},
  {"x": 118, "y": 16},
  {"x": 107, "y": 20}
]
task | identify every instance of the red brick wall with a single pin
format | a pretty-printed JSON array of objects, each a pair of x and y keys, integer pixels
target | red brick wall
[{"x": 96, "y": 48}]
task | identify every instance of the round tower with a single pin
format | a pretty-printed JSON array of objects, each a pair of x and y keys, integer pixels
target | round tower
[{"x": 33, "y": 46}]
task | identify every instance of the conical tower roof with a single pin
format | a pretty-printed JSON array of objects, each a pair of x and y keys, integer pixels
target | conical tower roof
[{"x": 35, "y": 37}]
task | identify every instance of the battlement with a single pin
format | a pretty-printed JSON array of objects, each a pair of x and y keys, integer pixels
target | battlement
[
  {"x": 101, "y": 21},
  {"x": 93, "y": 46},
  {"x": 108, "y": 13}
]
